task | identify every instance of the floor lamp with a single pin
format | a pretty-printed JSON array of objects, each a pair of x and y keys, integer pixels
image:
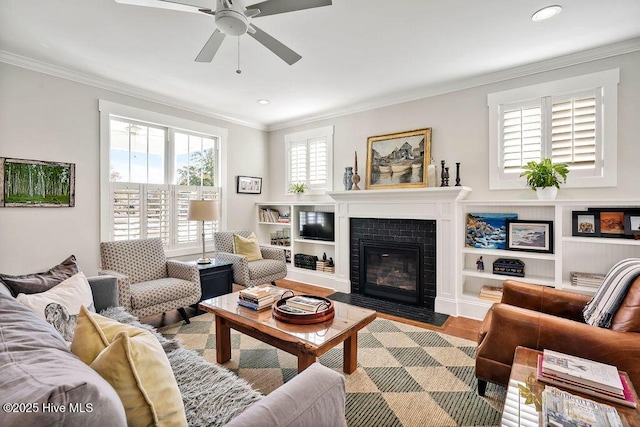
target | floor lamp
[{"x": 203, "y": 210}]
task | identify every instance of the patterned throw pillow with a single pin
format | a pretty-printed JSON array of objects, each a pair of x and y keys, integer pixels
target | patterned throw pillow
[
  {"x": 61, "y": 304},
  {"x": 248, "y": 247},
  {"x": 41, "y": 282}
]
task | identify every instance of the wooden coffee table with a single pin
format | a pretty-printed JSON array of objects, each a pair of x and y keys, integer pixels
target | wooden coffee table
[
  {"x": 523, "y": 373},
  {"x": 306, "y": 342}
]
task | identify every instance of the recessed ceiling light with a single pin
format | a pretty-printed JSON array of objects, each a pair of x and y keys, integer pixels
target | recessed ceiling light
[
  {"x": 546, "y": 13},
  {"x": 263, "y": 101}
]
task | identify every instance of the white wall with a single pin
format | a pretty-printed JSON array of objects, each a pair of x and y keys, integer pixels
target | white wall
[
  {"x": 49, "y": 118},
  {"x": 459, "y": 122}
]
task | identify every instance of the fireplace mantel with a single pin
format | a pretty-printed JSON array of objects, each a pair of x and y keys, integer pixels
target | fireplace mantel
[{"x": 438, "y": 203}]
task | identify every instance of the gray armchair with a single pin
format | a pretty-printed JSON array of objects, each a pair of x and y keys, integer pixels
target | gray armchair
[
  {"x": 272, "y": 267},
  {"x": 148, "y": 283}
]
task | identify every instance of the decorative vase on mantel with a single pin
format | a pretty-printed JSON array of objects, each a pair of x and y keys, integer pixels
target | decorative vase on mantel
[
  {"x": 346, "y": 180},
  {"x": 547, "y": 193}
]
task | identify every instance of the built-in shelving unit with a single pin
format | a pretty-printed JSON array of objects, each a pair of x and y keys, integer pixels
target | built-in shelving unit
[{"x": 584, "y": 254}]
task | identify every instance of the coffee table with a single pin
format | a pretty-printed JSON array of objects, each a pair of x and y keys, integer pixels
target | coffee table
[
  {"x": 306, "y": 342},
  {"x": 523, "y": 373}
]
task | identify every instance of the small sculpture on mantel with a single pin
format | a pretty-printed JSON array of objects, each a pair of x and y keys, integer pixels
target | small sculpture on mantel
[
  {"x": 442, "y": 172},
  {"x": 355, "y": 178},
  {"x": 457, "y": 174}
]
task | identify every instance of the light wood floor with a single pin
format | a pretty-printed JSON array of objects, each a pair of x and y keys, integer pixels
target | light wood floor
[{"x": 457, "y": 326}]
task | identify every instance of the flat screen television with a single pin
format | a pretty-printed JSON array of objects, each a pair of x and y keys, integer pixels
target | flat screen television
[{"x": 317, "y": 225}]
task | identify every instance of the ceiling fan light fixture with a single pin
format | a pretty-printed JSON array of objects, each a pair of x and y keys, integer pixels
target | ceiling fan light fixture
[
  {"x": 232, "y": 23},
  {"x": 546, "y": 13},
  {"x": 263, "y": 101}
]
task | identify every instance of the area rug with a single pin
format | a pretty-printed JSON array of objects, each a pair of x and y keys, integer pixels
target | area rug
[
  {"x": 406, "y": 376},
  {"x": 406, "y": 311}
]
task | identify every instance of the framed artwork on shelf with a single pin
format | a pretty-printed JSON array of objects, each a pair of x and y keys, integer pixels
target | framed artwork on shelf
[
  {"x": 632, "y": 224},
  {"x": 611, "y": 222},
  {"x": 585, "y": 223},
  {"x": 487, "y": 230},
  {"x": 530, "y": 236},
  {"x": 249, "y": 185},
  {"x": 37, "y": 183},
  {"x": 398, "y": 160}
]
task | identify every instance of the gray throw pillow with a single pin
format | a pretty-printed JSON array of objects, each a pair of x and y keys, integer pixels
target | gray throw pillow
[{"x": 41, "y": 282}]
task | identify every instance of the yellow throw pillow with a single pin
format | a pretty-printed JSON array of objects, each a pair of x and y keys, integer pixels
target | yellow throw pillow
[
  {"x": 132, "y": 360},
  {"x": 248, "y": 247}
]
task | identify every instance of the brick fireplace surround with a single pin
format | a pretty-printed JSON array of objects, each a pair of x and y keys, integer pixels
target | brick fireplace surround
[{"x": 438, "y": 204}]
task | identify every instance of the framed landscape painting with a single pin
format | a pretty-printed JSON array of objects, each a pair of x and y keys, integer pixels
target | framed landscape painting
[
  {"x": 398, "y": 160},
  {"x": 36, "y": 183},
  {"x": 487, "y": 230},
  {"x": 530, "y": 236}
]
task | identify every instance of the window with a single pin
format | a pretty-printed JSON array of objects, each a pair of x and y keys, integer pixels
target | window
[
  {"x": 153, "y": 172},
  {"x": 565, "y": 121},
  {"x": 310, "y": 159}
]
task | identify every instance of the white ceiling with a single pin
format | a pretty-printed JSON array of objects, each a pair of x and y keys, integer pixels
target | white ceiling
[{"x": 355, "y": 54}]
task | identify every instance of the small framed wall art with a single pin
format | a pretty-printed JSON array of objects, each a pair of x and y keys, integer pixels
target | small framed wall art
[
  {"x": 249, "y": 185},
  {"x": 37, "y": 183},
  {"x": 632, "y": 224},
  {"x": 611, "y": 221},
  {"x": 585, "y": 223},
  {"x": 530, "y": 236}
]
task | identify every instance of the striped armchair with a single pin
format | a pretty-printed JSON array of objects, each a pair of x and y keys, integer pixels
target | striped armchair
[
  {"x": 148, "y": 283},
  {"x": 272, "y": 267}
]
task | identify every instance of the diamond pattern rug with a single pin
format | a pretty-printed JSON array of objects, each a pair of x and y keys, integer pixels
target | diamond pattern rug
[{"x": 406, "y": 376}]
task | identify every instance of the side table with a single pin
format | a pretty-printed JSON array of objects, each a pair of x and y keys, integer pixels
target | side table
[{"x": 216, "y": 278}]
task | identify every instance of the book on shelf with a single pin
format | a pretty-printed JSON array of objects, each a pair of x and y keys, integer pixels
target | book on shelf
[
  {"x": 595, "y": 375},
  {"x": 560, "y": 408},
  {"x": 593, "y": 280},
  {"x": 491, "y": 293},
  {"x": 626, "y": 399},
  {"x": 306, "y": 303}
]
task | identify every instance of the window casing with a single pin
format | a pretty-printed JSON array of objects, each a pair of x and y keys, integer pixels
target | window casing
[
  {"x": 151, "y": 171},
  {"x": 565, "y": 120},
  {"x": 309, "y": 157}
]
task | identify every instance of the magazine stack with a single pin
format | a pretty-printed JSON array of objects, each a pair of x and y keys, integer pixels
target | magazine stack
[
  {"x": 256, "y": 298},
  {"x": 304, "y": 305},
  {"x": 591, "y": 280},
  {"x": 585, "y": 376},
  {"x": 491, "y": 293},
  {"x": 560, "y": 408}
]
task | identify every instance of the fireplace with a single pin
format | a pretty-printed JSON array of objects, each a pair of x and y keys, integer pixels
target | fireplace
[{"x": 394, "y": 259}]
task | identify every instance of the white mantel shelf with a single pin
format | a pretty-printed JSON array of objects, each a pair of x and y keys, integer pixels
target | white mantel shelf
[{"x": 415, "y": 195}]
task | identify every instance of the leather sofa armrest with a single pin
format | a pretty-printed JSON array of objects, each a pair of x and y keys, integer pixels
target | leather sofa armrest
[
  {"x": 544, "y": 299},
  {"x": 273, "y": 253},
  {"x": 314, "y": 397},
  {"x": 105, "y": 292},
  {"x": 124, "y": 287},
  {"x": 514, "y": 326}
]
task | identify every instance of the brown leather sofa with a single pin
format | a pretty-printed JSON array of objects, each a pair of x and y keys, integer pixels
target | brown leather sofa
[{"x": 541, "y": 318}]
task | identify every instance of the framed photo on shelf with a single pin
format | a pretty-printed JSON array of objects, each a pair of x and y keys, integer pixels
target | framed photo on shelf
[
  {"x": 632, "y": 224},
  {"x": 586, "y": 223},
  {"x": 398, "y": 160},
  {"x": 611, "y": 222},
  {"x": 530, "y": 236},
  {"x": 249, "y": 185}
]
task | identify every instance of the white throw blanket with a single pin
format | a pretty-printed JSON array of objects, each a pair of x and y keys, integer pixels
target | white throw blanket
[{"x": 606, "y": 301}]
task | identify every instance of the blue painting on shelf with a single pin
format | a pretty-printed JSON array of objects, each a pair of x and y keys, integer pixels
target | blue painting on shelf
[{"x": 487, "y": 230}]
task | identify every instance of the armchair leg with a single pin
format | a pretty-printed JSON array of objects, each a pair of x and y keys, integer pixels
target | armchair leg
[
  {"x": 482, "y": 387},
  {"x": 184, "y": 315}
]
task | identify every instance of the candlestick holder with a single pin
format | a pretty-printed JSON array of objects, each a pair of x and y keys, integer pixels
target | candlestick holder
[{"x": 457, "y": 174}]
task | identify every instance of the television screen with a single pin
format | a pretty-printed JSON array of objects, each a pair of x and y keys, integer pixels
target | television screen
[{"x": 316, "y": 225}]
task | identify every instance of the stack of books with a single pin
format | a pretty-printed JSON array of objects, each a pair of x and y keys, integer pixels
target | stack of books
[
  {"x": 585, "y": 376},
  {"x": 591, "y": 280},
  {"x": 256, "y": 298},
  {"x": 324, "y": 266},
  {"x": 491, "y": 293},
  {"x": 304, "y": 305}
]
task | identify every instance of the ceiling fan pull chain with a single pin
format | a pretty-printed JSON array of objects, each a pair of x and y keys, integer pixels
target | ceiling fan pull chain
[{"x": 239, "y": 71}]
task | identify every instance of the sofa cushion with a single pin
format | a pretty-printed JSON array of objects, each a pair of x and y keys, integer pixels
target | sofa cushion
[
  {"x": 154, "y": 292},
  {"x": 247, "y": 246},
  {"x": 36, "y": 368},
  {"x": 61, "y": 304},
  {"x": 135, "y": 364},
  {"x": 40, "y": 282},
  {"x": 264, "y": 267}
]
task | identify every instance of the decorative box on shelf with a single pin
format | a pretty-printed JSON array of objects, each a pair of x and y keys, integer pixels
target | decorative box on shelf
[
  {"x": 305, "y": 261},
  {"x": 508, "y": 267}
]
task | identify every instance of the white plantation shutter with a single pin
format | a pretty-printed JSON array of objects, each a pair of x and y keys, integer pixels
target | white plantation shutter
[
  {"x": 317, "y": 163},
  {"x": 187, "y": 231},
  {"x": 298, "y": 161},
  {"x": 521, "y": 136},
  {"x": 126, "y": 213},
  {"x": 158, "y": 212},
  {"x": 210, "y": 227},
  {"x": 574, "y": 127},
  {"x": 309, "y": 158}
]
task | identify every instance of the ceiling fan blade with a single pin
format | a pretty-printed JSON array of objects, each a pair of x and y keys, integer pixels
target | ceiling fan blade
[
  {"x": 273, "y": 7},
  {"x": 211, "y": 47},
  {"x": 286, "y": 54},
  {"x": 163, "y": 4}
]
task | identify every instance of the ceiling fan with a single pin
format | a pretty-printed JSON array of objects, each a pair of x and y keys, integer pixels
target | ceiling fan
[{"x": 232, "y": 18}]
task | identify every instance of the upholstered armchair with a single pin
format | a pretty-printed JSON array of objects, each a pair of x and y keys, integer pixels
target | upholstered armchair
[
  {"x": 148, "y": 283},
  {"x": 270, "y": 268},
  {"x": 541, "y": 318}
]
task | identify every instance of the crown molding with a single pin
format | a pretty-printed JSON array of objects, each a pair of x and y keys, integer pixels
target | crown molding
[
  {"x": 121, "y": 88},
  {"x": 590, "y": 55}
]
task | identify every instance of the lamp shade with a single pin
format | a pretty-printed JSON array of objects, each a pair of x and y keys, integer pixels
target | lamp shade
[{"x": 203, "y": 210}]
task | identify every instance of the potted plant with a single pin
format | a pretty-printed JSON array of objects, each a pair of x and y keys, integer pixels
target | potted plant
[
  {"x": 298, "y": 188},
  {"x": 544, "y": 177}
]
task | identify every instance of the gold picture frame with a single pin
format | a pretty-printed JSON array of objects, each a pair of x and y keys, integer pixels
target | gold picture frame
[{"x": 398, "y": 160}]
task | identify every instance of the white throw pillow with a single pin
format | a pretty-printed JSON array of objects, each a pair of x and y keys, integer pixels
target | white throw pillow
[{"x": 61, "y": 304}]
